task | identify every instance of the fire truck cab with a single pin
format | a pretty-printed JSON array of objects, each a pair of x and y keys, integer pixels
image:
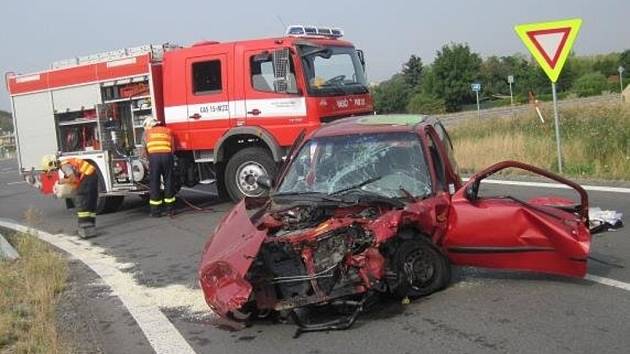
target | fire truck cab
[{"x": 233, "y": 107}]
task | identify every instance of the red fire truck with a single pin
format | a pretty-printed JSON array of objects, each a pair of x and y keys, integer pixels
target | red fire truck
[{"x": 234, "y": 108}]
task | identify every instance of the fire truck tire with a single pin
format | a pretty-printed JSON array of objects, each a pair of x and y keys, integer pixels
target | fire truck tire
[
  {"x": 222, "y": 193},
  {"x": 242, "y": 170},
  {"x": 107, "y": 204}
]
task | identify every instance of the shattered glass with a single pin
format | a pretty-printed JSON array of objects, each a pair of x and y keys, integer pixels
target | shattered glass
[{"x": 330, "y": 164}]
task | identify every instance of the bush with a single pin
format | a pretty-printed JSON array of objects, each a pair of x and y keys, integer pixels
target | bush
[
  {"x": 425, "y": 104},
  {"x": 590, "y": 84}
]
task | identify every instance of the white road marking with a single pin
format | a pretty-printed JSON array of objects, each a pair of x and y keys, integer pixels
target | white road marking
[
  {"x": 16, "y": 182},
  {"x": 554, "y": 185},
  {"x": 142, "y": 303},
  {"x": 607, "y": 281}
]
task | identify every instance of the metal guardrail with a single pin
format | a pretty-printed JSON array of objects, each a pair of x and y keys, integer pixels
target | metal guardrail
[
  {"x": 510, "y": 111},
  {"x": 7, "y": 251}
]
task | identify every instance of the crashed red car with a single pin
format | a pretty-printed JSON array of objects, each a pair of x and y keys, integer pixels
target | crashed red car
[{"x": 374, "y": 204}]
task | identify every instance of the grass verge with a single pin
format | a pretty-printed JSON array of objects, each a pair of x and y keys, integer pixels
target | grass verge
[
  {"x": 595, "y": 141},
  {"x": 29, "y": 290}
]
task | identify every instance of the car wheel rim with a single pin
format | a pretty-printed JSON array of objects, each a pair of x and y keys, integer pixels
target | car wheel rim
[
  {"x": 419, "y": 269},
  {"x": 246, "y": 176}
]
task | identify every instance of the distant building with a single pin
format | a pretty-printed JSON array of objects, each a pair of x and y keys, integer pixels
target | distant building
[{"x": 7, "y": 140}]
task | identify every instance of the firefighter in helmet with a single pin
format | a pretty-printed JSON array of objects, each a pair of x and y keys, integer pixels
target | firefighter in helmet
[
  {"x": 81, "y": 176},
  {"x": 159, "y": 143}
]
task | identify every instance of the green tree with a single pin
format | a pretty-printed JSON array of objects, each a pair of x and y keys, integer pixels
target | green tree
[
  {"x": 421, "y": 103},
  {"x": 590, "y": 84},
  {"x": 6, "y": 122},
  {"x": 455, "y": 68},
  {"x": 412, "y": 71},
  {"x": 624, "y": 60},
  {"x": 392, "y": 96}
]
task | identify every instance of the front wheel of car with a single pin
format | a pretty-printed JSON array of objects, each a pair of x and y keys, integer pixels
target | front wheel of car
[{"x": 421, "y": 268}]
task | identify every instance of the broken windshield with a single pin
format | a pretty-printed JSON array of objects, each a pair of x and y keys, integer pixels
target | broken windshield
[{"x": 390, "y": 161}]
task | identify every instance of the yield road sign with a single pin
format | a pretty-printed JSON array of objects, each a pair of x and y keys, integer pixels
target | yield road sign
[{"x": 550, "y": 43}]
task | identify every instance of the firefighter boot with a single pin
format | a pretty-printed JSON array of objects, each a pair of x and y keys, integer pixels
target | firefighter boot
[
  {"x": 156, "y": 211},
  {"x": 87, "y": 231},
  {"x": 169, "y": 204}
]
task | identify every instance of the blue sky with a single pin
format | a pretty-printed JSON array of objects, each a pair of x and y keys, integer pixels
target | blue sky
[{"x": 35, "y": 33}]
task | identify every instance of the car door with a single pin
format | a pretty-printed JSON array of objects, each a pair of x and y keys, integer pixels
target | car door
[
  {"x": 507, "y": 233},
  {"x": 207, "y": 99}
]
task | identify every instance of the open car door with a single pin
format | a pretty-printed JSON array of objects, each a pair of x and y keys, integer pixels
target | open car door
[{"x": 506, "y": 233}]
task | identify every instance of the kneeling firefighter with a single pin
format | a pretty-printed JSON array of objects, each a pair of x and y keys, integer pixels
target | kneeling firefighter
[
  {"x": 159, "y": 144},
  {"x": 80, "y": 175}
]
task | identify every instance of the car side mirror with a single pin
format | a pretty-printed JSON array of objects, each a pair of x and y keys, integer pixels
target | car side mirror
[
  {"x": 472, "y": 191},
  {"x": 264, "y": 182}
]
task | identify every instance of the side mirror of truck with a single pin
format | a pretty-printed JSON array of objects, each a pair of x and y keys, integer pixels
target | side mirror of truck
[
  {"x": 361, "y": 56},
  {"x": 281, "y": 65},
  {"x": 264, "y": 182}
]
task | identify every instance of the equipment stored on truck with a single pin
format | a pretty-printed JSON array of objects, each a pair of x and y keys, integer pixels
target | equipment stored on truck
[{"x": 233, "y": 108}]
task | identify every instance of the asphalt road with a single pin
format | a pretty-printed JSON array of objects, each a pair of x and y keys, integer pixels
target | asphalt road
[{"x": 482, "y": 311}]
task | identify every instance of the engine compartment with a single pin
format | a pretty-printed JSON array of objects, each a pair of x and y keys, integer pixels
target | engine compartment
[{"x": 314, "y": 254}]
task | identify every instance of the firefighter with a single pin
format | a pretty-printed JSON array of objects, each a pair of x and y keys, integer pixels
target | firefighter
[
  {"x": 158, "y": 141},
  {"x": 82, "y": 175}
]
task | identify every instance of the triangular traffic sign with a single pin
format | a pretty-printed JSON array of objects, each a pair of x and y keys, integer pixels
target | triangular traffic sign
[{"x": 550, "y": 43}]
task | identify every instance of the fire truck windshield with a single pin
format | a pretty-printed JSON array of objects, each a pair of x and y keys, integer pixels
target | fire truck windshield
[{"x": 332, "y": 71}]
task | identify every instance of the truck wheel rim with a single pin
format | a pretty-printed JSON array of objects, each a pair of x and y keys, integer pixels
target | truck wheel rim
[{"x": 246, "y": 176}]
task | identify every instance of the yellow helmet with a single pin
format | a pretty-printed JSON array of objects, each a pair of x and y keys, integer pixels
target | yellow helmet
[{"x": 49, "y": 162}]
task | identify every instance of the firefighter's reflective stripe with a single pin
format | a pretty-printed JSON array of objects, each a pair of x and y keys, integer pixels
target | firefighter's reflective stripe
[
  {"x": 86, "y": 214},
  {"x": 169, "y": 200},
  {"x": 157, "y": 147},
  {"x": 81, "y": 167},
  {"x": 86, "y": 169},
  {"x": 155, "y": 202},
  {"x": 159, "y": 140}
]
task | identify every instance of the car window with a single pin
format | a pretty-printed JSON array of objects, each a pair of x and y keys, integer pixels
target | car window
[
  {"x": 437, "y": 163},
  {"x": 263, "y": 75},
  {"x": 448, "y": 145},
  {"x": 207, "y": 77}
]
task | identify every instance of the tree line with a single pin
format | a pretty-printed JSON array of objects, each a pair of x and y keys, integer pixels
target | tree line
[{"x": 445, "y": 85}]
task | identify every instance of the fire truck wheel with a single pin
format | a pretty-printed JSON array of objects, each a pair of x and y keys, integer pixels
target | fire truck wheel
[
  {"x": 107, "y": 204},
  {"x": 244, "y": 168}
]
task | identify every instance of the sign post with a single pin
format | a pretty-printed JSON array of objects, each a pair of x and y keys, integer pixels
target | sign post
[
  {"x": 550, "y": 44},
  {"x": 476, "y": 87},
  {"x": 621, "y": 70},
  {"x": 510, "y": 80}
]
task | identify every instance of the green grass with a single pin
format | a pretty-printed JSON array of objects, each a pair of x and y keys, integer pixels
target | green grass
[
  {"x": 29, "y": 289},
  {"x": 595, "y": 141}
]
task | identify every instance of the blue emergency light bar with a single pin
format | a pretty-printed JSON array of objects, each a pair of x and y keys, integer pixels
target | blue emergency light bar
[{"x": 301, "y": 30}]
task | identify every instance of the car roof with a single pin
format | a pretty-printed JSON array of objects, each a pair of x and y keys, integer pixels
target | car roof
[{"x": 382, "y": 123}]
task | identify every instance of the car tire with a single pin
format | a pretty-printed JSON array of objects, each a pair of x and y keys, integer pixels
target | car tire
[
  {"x": 243, "y": 168},
  {"x": 428, "y": 268}
]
